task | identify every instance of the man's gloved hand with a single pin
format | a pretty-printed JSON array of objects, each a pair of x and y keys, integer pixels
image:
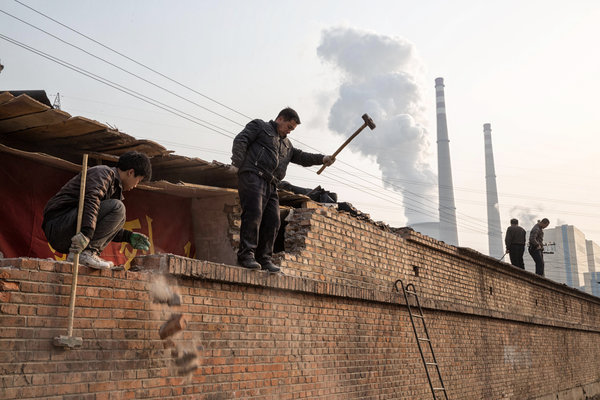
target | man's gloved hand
[
  {"x": 139, "y": 241},
  {"x": 78, "y": 243},
  {"x": 328, "y": 160},
  {"x": 233, "y": 169}
]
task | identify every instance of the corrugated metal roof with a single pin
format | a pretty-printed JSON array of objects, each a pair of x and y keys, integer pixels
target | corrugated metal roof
[{"x": 28, "y": 125}]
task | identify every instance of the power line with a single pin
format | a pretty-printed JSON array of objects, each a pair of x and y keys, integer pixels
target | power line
[
  {"x": 404, "y": 190},
  {"x": 122, "y": 69},
  {"x": 406, "y": 193},
  {"x": 427, "y": 212},
  {"x": 132, "y": 60},
  {"x": 114, "y": 85},
  {"x": 424, "y": 211}
]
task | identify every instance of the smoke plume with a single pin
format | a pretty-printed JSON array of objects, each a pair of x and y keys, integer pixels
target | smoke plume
[
  {"x": 527, "y": 218},
  {"x": 379, "y": 77}
]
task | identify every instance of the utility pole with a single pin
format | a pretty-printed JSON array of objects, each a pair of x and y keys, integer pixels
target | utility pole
[{"x": 56, "y": 103}]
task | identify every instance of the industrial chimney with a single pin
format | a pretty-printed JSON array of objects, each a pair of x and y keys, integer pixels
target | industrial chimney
[
  {"x": 493, "y": 213},
  {"x": 448, "y": 229}
]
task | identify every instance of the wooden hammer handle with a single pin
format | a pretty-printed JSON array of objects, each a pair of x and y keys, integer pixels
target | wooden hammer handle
[
  {"x": 344, "y": 145},
  {"x": 76, "y": 256}
]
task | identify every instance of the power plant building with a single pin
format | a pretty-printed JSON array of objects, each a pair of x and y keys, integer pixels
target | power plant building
[{"x": 570, "y": 259}]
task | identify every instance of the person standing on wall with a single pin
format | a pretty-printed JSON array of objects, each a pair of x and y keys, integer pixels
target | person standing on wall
[
  {"x": 515, "y": 243},
  {"x": 536, "y": 245},
  {"x": 261, "y": 153},
  {"x": 103, "y": 211}
]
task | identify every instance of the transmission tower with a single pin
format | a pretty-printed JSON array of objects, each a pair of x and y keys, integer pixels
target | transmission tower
[{"x": 56, "y": 103}]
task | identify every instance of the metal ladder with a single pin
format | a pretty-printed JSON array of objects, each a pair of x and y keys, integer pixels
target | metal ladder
[{"x": 410, "y": 290}]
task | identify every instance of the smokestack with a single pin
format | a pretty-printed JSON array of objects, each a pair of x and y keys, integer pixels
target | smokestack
[
  {"x": 448, "y": 229},
  {"x": 493, "y": 213}
]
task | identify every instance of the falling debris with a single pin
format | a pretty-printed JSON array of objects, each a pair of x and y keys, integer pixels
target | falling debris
[
  {"x": 172, "y": 326},
  {"x": 185, "y": 357},
  {"x": 188, "y": 370},
  {"x": 187, "y": 362},
  {"x": 162, "y": 293}
]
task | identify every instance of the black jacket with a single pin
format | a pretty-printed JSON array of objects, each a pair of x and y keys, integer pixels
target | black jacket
[
  {"x": 102, "y": 183},
  {"x": 260, "y": 149},
  {"x": 514, "y": 235}
]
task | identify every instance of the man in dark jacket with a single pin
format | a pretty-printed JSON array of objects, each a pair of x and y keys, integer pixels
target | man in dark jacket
[
  {"x": 515, "y": 243},
  {"x": 261, "y": 153},
  {"x": 536, "y": 245},
  {"x": 103, "y": 211}
]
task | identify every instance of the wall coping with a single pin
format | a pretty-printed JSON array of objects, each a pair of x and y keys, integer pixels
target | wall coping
[
  {"x": 189, "y": 268},
  {"x": 473, "y": 256}
]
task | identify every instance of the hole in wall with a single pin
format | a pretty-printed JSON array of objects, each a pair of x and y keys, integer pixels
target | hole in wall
[
  {"x": 491, "y": 290},
  {"x": 416, "y": 270}
]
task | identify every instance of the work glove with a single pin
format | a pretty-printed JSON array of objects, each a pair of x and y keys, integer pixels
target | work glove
[
  {"x": 139, "y": 241},
  {"x": 328, "y": 160},
  {"x": 78, "y": 243},
  {"x": 233, "y": 169}
]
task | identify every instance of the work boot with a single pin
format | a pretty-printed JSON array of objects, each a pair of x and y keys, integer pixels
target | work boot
[
  {"x": 249, "y": 263},
  {"x": 269, "y": 266},
  {"x": 92, "y": 260}
]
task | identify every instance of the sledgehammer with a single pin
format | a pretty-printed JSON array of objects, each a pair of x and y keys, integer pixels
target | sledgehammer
[
  {"x": 368, "y": 122},
  {"x": 68, "y": 340}
]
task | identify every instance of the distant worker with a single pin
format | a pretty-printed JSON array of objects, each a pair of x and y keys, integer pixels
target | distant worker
[
  {"x": 261, "y": 154},
  {"x": 536, "y": 245},
  {"x": 103, "y": 211},
  {"x": 515, "y": 243}
]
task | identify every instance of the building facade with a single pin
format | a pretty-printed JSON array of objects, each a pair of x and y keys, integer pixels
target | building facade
[{"x": 570, "y": 258}]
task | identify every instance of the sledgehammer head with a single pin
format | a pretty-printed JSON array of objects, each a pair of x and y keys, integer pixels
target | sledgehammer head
[{"x": 368, "y": 121}]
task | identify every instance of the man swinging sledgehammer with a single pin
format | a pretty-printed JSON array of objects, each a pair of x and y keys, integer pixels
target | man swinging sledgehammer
[{"x": 261, "y": 154}]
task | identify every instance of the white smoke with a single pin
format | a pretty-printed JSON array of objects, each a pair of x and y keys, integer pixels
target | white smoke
[
  {"x": 527, "y": 219},
  {"x": 380, "y": 79}
]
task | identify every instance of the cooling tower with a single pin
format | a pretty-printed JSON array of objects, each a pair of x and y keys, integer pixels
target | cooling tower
[
  {"x": 496, "y": 248},
  {"x": 448, "y": 230}
]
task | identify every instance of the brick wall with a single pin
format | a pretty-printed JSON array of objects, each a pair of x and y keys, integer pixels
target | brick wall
[{"x": 332, "y": 327}]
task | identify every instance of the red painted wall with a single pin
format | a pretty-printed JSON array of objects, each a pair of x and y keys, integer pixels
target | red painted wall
[{"x": 26, "y": 186}]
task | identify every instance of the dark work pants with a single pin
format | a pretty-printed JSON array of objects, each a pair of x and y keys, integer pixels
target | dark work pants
[
  {"x": 515, "y": 251},
  {"x": 111, "y": 218},
  {"x": 260, "y": 217},
  {"x": 538, "y": 257}
]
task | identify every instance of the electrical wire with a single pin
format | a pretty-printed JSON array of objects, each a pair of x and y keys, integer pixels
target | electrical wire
[
  {"x": 121, "y": 88},
  {"x": 406, "y": 193},
  {"x": 390, "y": 181},
  {"x": 122, "y": 69},
  {"x": 132, "y": 60}
]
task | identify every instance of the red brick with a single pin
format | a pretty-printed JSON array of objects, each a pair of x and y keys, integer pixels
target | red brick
[
  {"x": 332, "y": 327},
  {"x": 7, "y": 286},
  {"x": 4, "y": 297}
]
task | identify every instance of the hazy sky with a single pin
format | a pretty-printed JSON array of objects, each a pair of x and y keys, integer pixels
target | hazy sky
[{"x": 530, "y": 68}]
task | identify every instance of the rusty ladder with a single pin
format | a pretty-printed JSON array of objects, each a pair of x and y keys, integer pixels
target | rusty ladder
[{"x": 407, "y": 290}]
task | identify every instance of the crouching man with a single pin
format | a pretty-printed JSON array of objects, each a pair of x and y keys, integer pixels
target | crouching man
[{"x": 103, "y": 211}]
